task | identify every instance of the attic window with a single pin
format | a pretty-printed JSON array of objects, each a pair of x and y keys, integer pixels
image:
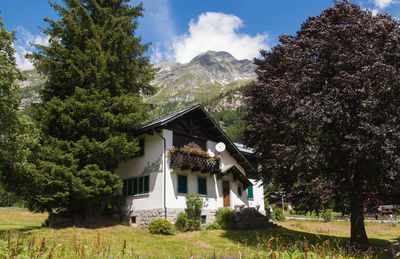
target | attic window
[{"x": 140, "y": 152}]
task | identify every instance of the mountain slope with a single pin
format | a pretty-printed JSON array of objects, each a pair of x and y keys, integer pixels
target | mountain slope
[{"x": 213, "y": 79}]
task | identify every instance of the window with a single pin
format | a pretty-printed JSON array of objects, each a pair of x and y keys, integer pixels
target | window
[
  {"x": 239, "y": 191},
  {"x": 202, "y": 185},
  {"x": 139, "y": 185},
  {"x": 140, "y": 152},
  {"x": 250, "y": 192},
  {"x": 182, "y": 184}
]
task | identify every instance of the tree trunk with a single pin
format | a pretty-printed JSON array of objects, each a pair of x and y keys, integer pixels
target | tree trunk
[
  {"x": 84, "y": 216},
  {"x": 358, "y": 235}
]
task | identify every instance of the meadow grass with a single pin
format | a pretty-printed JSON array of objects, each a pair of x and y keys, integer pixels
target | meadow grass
[{"x": 22, "y": 236}]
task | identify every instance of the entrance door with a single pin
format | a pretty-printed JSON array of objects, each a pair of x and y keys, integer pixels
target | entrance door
[{"x": 225, "y": 190}]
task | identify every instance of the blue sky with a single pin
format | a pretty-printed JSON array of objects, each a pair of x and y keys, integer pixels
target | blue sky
[{"x": 181, "y": 29}]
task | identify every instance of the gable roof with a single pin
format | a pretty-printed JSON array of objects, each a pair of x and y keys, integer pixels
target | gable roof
[{"x": 210, "y": 125}]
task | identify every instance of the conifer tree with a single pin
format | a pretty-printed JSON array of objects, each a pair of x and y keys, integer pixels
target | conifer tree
[
  {"x": 11, "y": 144},
  {"x": 91, "y": 105}
]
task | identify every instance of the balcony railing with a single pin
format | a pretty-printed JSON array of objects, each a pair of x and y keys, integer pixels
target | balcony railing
[{"x": 196, "y": 163}]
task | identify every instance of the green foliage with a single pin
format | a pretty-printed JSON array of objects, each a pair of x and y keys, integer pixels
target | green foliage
[
  {"x": 161, "y": 226},
  {"x": 277, "y": 215},
  {"x": 194, "y": 206},
  {"x": 181, "y": 222},
  {"x": 225, "y": 217},
  {"x": 325, "y": 106},
  {"x": 397, "y": 210},
  {"x": 327, "y": 215},
  {"x": 91, "y": 104},
  {"x": 213, "y": 226},
  {"x": 17, "y": 133}
]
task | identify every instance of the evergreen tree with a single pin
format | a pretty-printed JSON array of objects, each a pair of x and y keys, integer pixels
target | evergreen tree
[
  {"x": 13, "y": 126},
  {"x": 91, "y": 106},
  {"x": 324, "y": 111}
]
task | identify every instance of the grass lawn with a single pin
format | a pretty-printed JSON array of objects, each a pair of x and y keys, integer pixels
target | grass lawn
[{"x": 22, "y": 236}]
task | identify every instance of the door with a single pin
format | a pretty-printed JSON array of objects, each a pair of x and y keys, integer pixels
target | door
[{"x": 225, "y": 190}]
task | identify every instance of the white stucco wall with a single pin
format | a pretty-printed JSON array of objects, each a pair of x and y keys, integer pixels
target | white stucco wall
[
  {"x": 148, "y": 164},
  {"x": 258, "y": 194}
]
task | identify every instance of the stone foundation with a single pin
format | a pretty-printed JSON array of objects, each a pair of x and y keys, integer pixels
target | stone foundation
[{"x": 145, "y": 216}]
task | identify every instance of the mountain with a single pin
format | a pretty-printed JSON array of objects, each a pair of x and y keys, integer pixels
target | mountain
[
  {"x": 213, "y": 79},
  {"x": 205, "y": 77}
]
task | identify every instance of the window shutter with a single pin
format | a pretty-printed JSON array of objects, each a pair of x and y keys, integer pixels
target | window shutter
[
  {"x": 250, "y": 192},
  {"x": 182, "y": 184},
  {"x": 141, "y": 184},
  {"x": 129, "y": 187},
  {"x": 135, "y": 184},
  {"x": 146, "y": 184},
  {"x": 125, "y": 188},
  {"x": 202, "y": 182}
]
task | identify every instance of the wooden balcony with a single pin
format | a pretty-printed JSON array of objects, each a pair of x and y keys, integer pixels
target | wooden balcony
[{"x": 193, "y": 162}]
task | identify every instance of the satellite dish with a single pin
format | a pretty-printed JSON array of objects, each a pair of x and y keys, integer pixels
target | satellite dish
[{"x": 220, "y": 146}]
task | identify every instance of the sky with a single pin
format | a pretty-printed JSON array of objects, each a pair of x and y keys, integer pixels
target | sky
[{"x": 179, "y": 30}]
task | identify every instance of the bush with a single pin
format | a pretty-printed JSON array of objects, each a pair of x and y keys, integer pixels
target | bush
[
  {"x": 194, "y": 206},
  {"x": 213, "y": 226},
  {"x": 225, "y": 217},
  {"x": 161, "y": 226},
  {"x": 278, "y": 215},
  {"x": 193, "y": 224},
  {"x": 327, "y": 215},
  {"x": 181, "y": 223}
]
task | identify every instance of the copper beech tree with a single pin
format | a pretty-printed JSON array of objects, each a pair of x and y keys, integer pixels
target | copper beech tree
[{"x": 326, "y": 106}]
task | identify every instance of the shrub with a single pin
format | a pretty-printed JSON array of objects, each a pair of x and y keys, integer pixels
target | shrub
[
  {"x": 278, "y": 215},
  {"x": 193, "y": 224},
  {"x": 327, "y": 215},
  {"x": 161, "y": 226},
  {"x": 194, "y": 205},
  {"x": 213, "y": 226},
  {"x": 181, "y": 223},
  {"x": 225, "y": 217}
]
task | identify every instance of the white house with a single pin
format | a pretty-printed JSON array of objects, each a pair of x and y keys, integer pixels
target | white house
[{"x": 156, "y": 180}]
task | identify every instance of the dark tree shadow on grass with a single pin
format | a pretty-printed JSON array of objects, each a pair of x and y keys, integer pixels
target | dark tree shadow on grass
[{"x": 280, "y": 239}]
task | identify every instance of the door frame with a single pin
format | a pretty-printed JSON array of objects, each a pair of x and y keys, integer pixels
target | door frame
[{"x": 226, "y": 194}]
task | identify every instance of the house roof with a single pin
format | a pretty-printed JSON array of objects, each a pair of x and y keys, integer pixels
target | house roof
[{"x": 211, "y": 126}]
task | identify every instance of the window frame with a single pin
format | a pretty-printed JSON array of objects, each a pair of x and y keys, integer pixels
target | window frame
[
  {"x": 252, "y": 192},
  {"x": 140, "y": 152},
  {"x": 131, "y": 186},
  {"x": 178, "y": 185},
  {"x": 198, "y": 185}
]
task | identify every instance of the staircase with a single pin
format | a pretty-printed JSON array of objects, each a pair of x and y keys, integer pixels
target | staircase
[{"x": 250, "y": 218}]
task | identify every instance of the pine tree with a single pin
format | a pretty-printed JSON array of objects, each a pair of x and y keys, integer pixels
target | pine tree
[
  {"x": 11, "y": 122},
  {"x": 91, "y": 105}
]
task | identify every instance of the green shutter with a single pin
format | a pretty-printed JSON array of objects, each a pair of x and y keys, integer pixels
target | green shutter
[
  {"x": 250, "y": 192},
  {"x": 202, "y": 182},
  {"x": 135, "y": 184},
  {"x": 129, "y": 187},
  {"x": 182, "y": 184},
  {"x": 146, "y": 184},
  {"x": 125, "y": 188},
  {"x": 141, "y": 180}
]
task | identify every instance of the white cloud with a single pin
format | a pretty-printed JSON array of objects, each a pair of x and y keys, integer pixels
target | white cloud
[
  {"x": 382, "y": 4},
  {"x": 158, "y": 24},
  {"x": 218, "y": 32},
  {"x": 23, "y": 46}
]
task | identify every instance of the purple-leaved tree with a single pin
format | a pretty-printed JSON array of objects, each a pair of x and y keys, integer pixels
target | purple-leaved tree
[{"x": 326, "y": 106}]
